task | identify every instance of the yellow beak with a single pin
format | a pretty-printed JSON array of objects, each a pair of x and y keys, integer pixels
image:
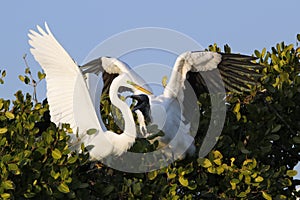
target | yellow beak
[{"x": 139, "y": 87}]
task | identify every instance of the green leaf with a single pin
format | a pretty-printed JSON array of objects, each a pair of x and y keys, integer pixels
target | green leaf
[
  {"x": 91, "y": 131},
  {"x": 72, "y": 159},
  {"x": 3, "y": 130},
  {"x": 107, "y": 190},
  {"x": 171, "y": 176},
  {"x": 152, "y": 175},
  {"x": 54, "y": 174},
  {"x": 27, "y": 70},
  {"x": 164, "y": 81},
  {"x": 22, "y": 78},
  {"x": 220, "y": 169},
  {"x": 291, "y": 173},
  {"x": 242, "y": 194},
  {"x": 258, "y": 179},
  {"x": 276, "y": 128},
  {"x": 296, "y": 139},
  {"x": 263, "y": 52},
  {"x": 137, "y": 188},
  {"x": 29, "y": 195},
  {"x": 274, "y": 137},
  {"x": 257, "y": 53},
  {"x": 218, "y": 161},
  {"x": 27, "y": 80},
  {"x": 266, "y": 195},
  {"x": 237, "y": 107},
  {"x": 298, "y": 37},
  {"x": 184, "y": 182},
  {"x": 5, "y": 196},
  {"x": 64, "y": 173},
  {"x": 8, "y": 185},
  {"x": 204, "y": 162},
  {"x": 41, "y": 75},
  {"x": 3, "y": 73},
  {"x": 56, "y": 154},
  {"x": 235, "y": 180},
  {"x": 63, "y": 188},
  {"x": 9, "y": 115},
  {"x": 14, "y": 168}
]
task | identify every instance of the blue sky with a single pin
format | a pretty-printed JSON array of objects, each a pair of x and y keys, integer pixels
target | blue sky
[{"x": 81, "y": 25}]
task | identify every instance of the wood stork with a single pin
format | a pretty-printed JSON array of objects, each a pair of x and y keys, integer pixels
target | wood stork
[{"x": 73, "y": 101}]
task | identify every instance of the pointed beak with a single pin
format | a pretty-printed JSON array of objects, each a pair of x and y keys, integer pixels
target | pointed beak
[{"x": 140, "y": 88}]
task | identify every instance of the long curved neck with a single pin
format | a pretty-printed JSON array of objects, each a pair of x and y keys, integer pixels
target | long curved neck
[{"x": 129, "y": 128}]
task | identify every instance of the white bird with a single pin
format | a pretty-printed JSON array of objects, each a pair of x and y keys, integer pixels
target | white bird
[
  {"x": 175, "y": 110},
  {"x": 71, "y": 102}
]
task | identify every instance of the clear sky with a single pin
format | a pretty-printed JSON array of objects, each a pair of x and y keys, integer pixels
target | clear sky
[{"x": 81, "y": 25}]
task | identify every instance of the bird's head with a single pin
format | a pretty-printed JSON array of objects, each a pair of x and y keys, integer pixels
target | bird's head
[{"x": 143, "y": 104}]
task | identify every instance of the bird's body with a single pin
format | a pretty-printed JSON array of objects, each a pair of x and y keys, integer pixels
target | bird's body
[
  {"x": 71, "y": 102},
  {"x": 74, "y": 100}
]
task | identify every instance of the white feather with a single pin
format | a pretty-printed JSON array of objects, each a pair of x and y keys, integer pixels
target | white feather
[{"x": 70, "y": 101}]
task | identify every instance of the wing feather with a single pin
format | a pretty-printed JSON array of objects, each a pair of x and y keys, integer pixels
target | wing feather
[
  {"x": 110, "y": 68},
  {"x": 67, "y": 93},
  {"x": 201, "y": 69}
]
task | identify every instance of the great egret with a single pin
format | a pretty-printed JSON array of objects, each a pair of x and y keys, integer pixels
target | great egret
[
  {"x": 174, "y": 110},
  {"x": 71, "y": 102}
]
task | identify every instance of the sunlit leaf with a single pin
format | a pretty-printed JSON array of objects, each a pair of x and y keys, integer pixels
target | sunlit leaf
[
  {"x": 63, "y": 188},
  {"x": 9, "y": 115},
  {"x": 3, "y": 130},
  {"x": 56, "y": 154},
  {"x": 259, "y": 179},
  {"x": 164, "y": 81},
  {"x": 152, "y": 175},
  {"x": 22, "y": 78},
  {"x": 8, "y": 185},
  {"x": 291, "y": 173},
  {"x": 266, "y": 195},
  {"x": 184, "y": 182},
  {"x": 204, "y": 162},
  {"x": 5, "y": 196}
]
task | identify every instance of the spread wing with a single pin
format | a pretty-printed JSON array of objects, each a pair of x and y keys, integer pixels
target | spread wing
[
  {"x": 208, "y": 70},
  {"x": 67, "y": 92},
  {"x": 109, "y": 68},
  {"x": 201, "y": 71}
]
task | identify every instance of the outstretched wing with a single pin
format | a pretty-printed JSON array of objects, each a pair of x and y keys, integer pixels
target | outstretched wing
[
  {"x": 203, "y": 69},
  {"x": 199, "y": 71},
  {"x": 67, "y": 93},
  {"x": 109, "y": 68}
]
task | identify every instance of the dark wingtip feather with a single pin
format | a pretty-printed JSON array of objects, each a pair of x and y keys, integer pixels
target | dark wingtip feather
[
  {"x": 238, "y": 71},
  {"x": 235, "y": 56}
]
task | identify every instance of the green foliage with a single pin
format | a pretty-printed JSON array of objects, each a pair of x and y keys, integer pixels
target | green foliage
[
  {"x": 3, "y": 74},
  {"x": 32, "y": 166},
  {"x": 254, "y": 157}
]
